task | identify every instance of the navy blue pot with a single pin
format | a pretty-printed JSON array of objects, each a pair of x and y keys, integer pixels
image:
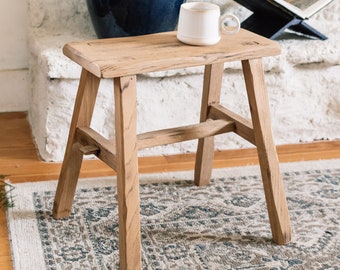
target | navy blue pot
[{"x": 120, "y": 18}]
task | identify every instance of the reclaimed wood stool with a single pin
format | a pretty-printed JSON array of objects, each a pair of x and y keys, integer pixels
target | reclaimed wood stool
[{"x": 121, "y": 59}]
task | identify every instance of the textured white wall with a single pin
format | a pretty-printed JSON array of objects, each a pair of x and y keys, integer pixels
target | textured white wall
[
  {"x": 303, "y": 84},
  {"x": 14, "y": 89}
]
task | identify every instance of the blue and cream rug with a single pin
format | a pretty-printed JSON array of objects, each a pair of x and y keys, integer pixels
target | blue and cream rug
[{"x": 221, "y": 226}]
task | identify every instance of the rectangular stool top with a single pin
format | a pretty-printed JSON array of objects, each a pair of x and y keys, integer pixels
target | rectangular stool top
[{"x": 117, "y": 57}]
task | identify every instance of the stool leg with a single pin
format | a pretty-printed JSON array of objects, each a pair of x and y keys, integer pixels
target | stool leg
[
  {"x": 127, "y": 172},
  {"x": 269, "y": 163},
  {"x": 205, "y": 149},
  {"x": 82, "y": 114}
]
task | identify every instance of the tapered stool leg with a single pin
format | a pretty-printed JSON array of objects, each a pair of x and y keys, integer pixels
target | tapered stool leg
[
  {"x": 82, "y": 114},
  {"x": 127, "y": 172},
  {"x": 272, "y": 180},
  {"x": 205, "y": 149}
]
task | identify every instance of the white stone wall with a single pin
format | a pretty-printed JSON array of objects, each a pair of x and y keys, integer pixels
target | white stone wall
[{"x": 303, "y": 84}]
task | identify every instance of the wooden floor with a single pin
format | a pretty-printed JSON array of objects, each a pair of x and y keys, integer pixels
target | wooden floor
[{"x": 19, "y": 159}]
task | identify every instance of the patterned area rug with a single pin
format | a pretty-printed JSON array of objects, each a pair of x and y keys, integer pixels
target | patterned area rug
[{"x": 221, "y": 226}]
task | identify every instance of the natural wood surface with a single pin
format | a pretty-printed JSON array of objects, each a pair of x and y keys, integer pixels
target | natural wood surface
[
  {"x": 20, "y": 160},
  {"x": 122, "y": 59},
  {"x": 243, "y": 127},
  {"x": 163, "y": 51},
  {"x": 125, "y": 92},
  {"x": 211, "y": 94},
  {"x": 269, "y": 162},
  {"x": 70, "y": 170}
]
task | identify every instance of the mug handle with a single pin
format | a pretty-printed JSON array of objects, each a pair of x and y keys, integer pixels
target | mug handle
[{"x": 227, "y": 30}]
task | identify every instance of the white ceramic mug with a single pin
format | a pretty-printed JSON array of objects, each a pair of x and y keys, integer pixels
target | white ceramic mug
[{"x": 201, "y": 23}]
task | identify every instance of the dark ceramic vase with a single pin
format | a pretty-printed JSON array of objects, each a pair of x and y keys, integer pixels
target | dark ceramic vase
[{"x": 120, "y": 18}]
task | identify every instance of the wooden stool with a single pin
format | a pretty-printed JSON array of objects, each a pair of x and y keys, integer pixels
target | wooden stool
[{"x": 122, "y": 59}]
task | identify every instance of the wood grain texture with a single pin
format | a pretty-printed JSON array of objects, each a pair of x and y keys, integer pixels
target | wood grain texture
[
  {"x": 212, "y": 84},
  {"x": 269, "y": 163},
  {"x": 82, "y": 115},
  {"x": 125, "y": 93},
  {"x": 116, "y": 57},
  {"x": 243, "y": 126},
  {"x": 184, "y": 133},
  {"x": 106, "y": 149}
]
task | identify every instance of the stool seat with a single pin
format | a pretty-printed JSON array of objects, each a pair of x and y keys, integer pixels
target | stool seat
[
  {"x": 122, "y": 59},
  {"x": 116, "y": 57}
]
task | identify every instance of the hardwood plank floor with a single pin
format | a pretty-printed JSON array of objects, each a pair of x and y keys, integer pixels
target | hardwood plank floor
[{"x": 19, "y": 159}]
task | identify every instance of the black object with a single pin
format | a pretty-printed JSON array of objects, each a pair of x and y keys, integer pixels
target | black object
[
  {"x": 270, "y": 20},
  {"x": 120, "y": 18}
]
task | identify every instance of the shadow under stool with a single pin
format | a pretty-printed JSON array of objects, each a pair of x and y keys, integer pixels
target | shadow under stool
[{"x": 122, "y": 59}]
